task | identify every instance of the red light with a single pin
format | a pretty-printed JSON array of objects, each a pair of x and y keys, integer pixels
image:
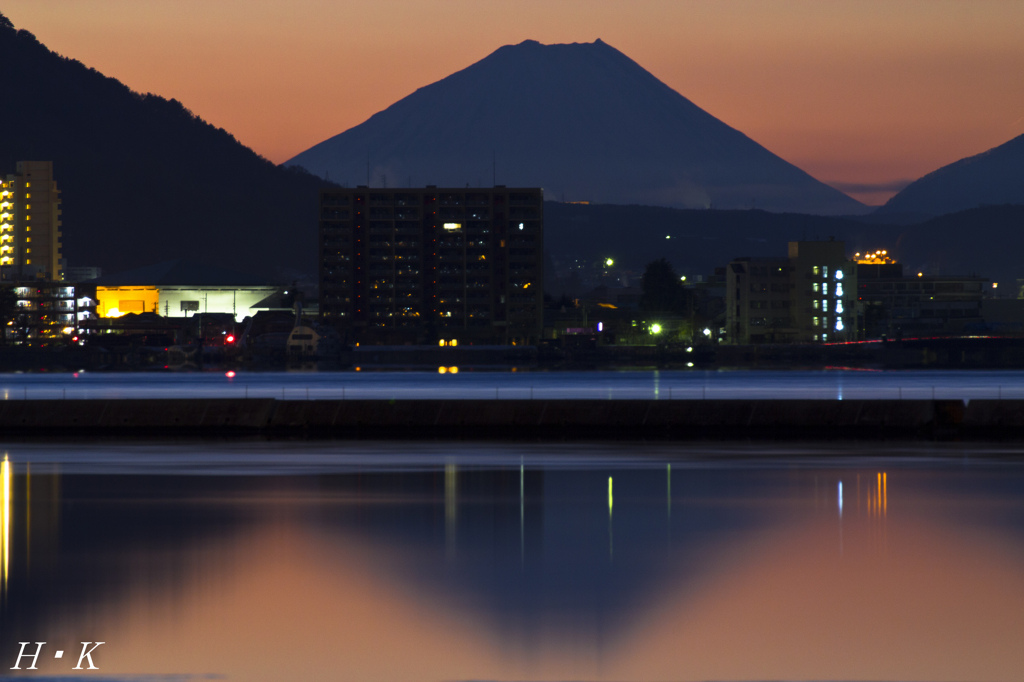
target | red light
[
  {"x": 230, "y": 375},
  {"x": 230, "y": 339}
]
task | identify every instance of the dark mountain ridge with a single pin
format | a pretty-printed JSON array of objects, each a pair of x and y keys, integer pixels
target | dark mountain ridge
[
  {"x": 143, "y": 179},
  {"x": 992, "y": 178},
  {"x": 584, "y": 122}
]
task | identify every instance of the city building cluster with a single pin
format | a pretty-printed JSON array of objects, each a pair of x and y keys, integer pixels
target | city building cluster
[{"x": 451, "y": 267}]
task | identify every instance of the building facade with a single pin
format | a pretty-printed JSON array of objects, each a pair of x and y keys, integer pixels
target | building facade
[
  {"x": 807, "y": 297},
  {"x": 30, "y": 224},
  {"x": 427, "y": 264},
  {"x": 896, "y": 306},
  {"x": 46, "y": 311}
]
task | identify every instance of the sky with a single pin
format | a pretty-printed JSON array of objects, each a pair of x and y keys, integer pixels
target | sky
[{"x": 865, "y": 95}]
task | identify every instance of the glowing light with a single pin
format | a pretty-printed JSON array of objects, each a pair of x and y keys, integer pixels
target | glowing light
[
  {"x": 668, "y": 236},
  {"x": 442, "y": 370},
  {"x": 600, "y": 326},
  {"x": 839, "y": 324},
  {"x": 995, "y": 285},
  {"x": 230, "y": 338},
  {"x": 453, "y": 370},
  {"x": 454, "y": 226},
  {"x": 655, "y": 328},
  {"x": 441, "y": 343},
  {"x": 609, "y": 262},
  {"x": 920, "y": 274},
  {"x": 689, "y": 364},
  {"x": 689, "y": 349},
  {"x": 113, "y": 312},
  {"x": 453, "y": 343},
  {"x": 707, "y": 332},
  {"x": 230, "y": 374},
  {"x": 5, "y": 515},
  {"x": 683, "y": 278},
  {"x": 520, "y": 226},
  {"x": 840, "y": 498},
  {"x": 839, "y": 274}
]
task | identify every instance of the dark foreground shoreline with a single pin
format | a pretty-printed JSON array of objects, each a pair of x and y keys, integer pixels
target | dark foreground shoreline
[{"x": 518, "y": 419}]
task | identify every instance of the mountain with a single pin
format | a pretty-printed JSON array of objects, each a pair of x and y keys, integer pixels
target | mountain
[
  {"x": 142, "y": 179},
  {"x": 584, "y": 122},
  {"x": 991, "y": 178}
]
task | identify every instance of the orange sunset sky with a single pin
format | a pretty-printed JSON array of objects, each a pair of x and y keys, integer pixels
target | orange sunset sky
[{"x": 862, "y": 94}]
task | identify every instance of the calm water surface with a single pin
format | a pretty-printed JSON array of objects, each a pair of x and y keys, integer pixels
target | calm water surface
[{"x": 378, "y": 561}]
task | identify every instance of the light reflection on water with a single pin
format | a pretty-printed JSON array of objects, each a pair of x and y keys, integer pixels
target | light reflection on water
[{"x": 447, "y": 562}]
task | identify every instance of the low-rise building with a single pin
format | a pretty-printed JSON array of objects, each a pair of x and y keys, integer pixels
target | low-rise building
[
  {"x": 919, "y": 305},
  {"x": 181, "y": 288}
]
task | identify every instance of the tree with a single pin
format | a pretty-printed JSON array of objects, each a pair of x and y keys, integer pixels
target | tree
[{"x": 662, "y": 290}]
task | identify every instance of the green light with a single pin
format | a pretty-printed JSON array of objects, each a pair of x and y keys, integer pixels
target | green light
[
  {"x": 609, "y": 496},
  {"x": 655, "y": 328},
  {"x": 609, "y": 262}
]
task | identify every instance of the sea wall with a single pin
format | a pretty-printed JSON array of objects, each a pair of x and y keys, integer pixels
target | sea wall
[{"x": 529, "y": 419}]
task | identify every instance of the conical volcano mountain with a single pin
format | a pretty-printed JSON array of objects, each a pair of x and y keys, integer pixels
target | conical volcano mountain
[{"x": 583, "y": 121}]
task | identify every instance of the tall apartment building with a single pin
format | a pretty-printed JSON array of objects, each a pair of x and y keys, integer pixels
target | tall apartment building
[
  {"x": 809, "y": 296},
  {"x": 428, "y": 264},
  {"x": 30, "y": 246}
]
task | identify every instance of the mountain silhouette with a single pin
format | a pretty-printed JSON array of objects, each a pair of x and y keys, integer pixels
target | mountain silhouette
[
  {"x": 584, "y": 122},
  {"x": 992, "y": 178},
  {"x": 142, "y": 179}
]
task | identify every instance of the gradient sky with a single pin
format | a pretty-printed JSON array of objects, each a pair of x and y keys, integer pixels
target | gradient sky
[{"x": 862, "y": 94}]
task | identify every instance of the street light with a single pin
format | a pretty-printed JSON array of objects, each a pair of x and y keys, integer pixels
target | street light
[
  {"x": 655, "y": 328},
  {"x": 609, "y": 262}
]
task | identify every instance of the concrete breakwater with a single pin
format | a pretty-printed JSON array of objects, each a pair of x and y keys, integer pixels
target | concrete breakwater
[{"x": 515, "y": 419}]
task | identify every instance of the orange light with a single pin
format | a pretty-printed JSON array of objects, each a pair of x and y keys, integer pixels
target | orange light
[
  {"x": 442, "y": 370},
  {"x": 453, "y": 370}
]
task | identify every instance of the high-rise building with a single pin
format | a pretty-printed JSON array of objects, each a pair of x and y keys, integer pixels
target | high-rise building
[
  {"x": 30, "y": 245},
  {"x": 426, "y": 265},
  {"x": 807, "y": 297}
]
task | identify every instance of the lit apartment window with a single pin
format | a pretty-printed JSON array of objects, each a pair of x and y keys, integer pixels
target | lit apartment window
[
  {"x": 817, "y": 270},
  {"x": 839, "y": 289},
  {"x": 816, "y": 304},
  {"x": 824, "y": 288},
  {"x": 817, "y": 287},
  {"x": 824, "y": 337},
  {"x": 816, "y": 323},
  {"x": 824, "y": 270},
  {"x": 824, "y": 305}
]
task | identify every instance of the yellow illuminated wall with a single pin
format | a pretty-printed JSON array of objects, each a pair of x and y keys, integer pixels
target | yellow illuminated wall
[{"x": 117, "y": 301}]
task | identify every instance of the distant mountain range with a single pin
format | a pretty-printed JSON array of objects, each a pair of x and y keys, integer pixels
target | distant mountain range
[
  {"x": 986, "y": 241},
  {"x": 584, "y": 122},
  {"x": 991, "y": 178},
  {"x": 144, "y": 180}
]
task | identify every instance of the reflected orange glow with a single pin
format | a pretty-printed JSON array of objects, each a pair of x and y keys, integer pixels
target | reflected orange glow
[
  {"x": 933, "y": 603},
  {"x": 5, "y": 516}
]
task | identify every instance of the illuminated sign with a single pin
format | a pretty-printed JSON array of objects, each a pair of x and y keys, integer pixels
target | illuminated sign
[{"x": 453, "y": 226}]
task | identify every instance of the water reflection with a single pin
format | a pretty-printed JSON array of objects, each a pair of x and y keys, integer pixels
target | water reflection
[{"x": 622, "y": 569}]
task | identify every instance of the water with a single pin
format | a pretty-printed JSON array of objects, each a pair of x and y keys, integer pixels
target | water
[
  {"x": 380, "y": 561},
  {"x": 479, "y": 385}
]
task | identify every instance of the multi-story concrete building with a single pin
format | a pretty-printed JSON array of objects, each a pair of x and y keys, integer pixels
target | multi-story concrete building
[
  {"x": 47, "y": 311},
  {"x": 30, "y": 224},
  {"x": 428, "y": 264},
  {"x": 809, "y": 296}
]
